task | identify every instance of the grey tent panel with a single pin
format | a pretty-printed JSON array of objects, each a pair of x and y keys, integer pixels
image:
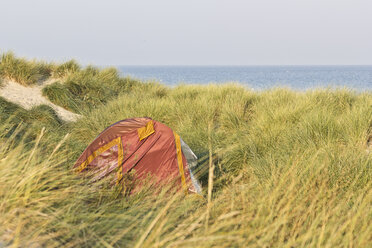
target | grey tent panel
[{"x": 192, "y": 162}]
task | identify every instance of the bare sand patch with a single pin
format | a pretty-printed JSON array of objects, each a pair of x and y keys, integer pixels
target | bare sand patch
[{"x": 28, "y": 97}]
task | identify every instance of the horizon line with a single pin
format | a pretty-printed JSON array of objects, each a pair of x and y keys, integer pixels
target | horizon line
[{"x": 196, "y": 65}]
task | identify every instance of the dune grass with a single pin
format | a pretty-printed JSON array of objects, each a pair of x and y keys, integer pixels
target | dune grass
[
  {"x": 291, "y": 170},
  {"x": 73, "y": 87},
  {"x": 24, "y": 71},
  {"x": 88, "y": 88},
  {"x": 64, "y": 69},
  {"x": 76, "y": 88},
  {"x": 34, "y": 119},
  {"x": 30, "y": 72}
]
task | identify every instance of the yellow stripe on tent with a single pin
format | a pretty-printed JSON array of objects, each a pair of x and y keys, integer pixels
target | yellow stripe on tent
[
  {"x": 97, "y": 152},
  {"x": 146, "y": 131},
  {"x": 179, "y": 160},
  {"x": 120, "y": 160}
]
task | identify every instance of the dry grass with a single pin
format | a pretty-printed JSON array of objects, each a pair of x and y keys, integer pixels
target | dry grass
[
  {"x": 84, "y": 89},
  {"x": 23, "y": 71},
  {"x": 290, "y": 170}
]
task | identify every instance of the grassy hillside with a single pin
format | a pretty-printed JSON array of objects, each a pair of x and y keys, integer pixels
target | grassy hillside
[
  {"x": 75, "y": 88},
  {"x": 88, "y": 88},
  {"x": 23, "y": 71},
  {"x": 291, "y": 170}
]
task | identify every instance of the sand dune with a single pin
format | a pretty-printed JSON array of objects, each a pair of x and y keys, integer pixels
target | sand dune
[{"x": 29, "y": 97}]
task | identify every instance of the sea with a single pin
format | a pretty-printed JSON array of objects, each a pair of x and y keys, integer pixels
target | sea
[{"x": 357, "y": 78}]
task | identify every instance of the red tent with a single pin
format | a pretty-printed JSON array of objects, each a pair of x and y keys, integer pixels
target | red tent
[{"x": 145, "y": 147}]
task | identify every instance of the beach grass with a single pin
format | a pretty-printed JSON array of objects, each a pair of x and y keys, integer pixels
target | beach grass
[
  {"x": 31, "y": 72},
  {"x": 23, "y": 71},
  {"x": 291, "y": 169},
  {"x": 65, "y": 69},
  {"x": 38, "y": 117},
  {"x": 87, "y": 88}
]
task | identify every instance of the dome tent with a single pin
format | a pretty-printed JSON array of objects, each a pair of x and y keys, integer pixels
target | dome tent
[{"x": 145, "y": 147}]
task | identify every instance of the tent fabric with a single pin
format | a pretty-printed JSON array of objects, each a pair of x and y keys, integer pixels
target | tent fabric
[
  {"x": 146, "y": 131},
  {"x": 145, "y": 147},
  {"x": 192, "y": 161},
  {"x": 179, "y": 161}
]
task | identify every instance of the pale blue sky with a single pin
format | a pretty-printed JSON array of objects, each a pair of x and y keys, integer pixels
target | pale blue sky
[{"x": 190, "y": 32}]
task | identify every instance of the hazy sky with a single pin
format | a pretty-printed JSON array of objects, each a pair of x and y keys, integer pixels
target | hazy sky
[{"x": 189, "y": 32}]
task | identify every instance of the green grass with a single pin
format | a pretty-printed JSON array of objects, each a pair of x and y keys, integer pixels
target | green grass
[
  {"x": 41, "y": 115},
  {"x": 88, "y": 88},
  {"x": 291, "y": 171},
  {"x": 30, "y": 72},
  {"x": 26, "y": 124},
  {"x": 292, "y": 168},
  {"x": 22, "y": 70},
  {"x": 64, "y": 69},
  {"x": 77, "y": 88},
  {"x": 79, "y": 80}
]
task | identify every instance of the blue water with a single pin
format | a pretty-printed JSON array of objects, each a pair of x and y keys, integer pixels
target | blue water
[{"x": 258, "y": 77}]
